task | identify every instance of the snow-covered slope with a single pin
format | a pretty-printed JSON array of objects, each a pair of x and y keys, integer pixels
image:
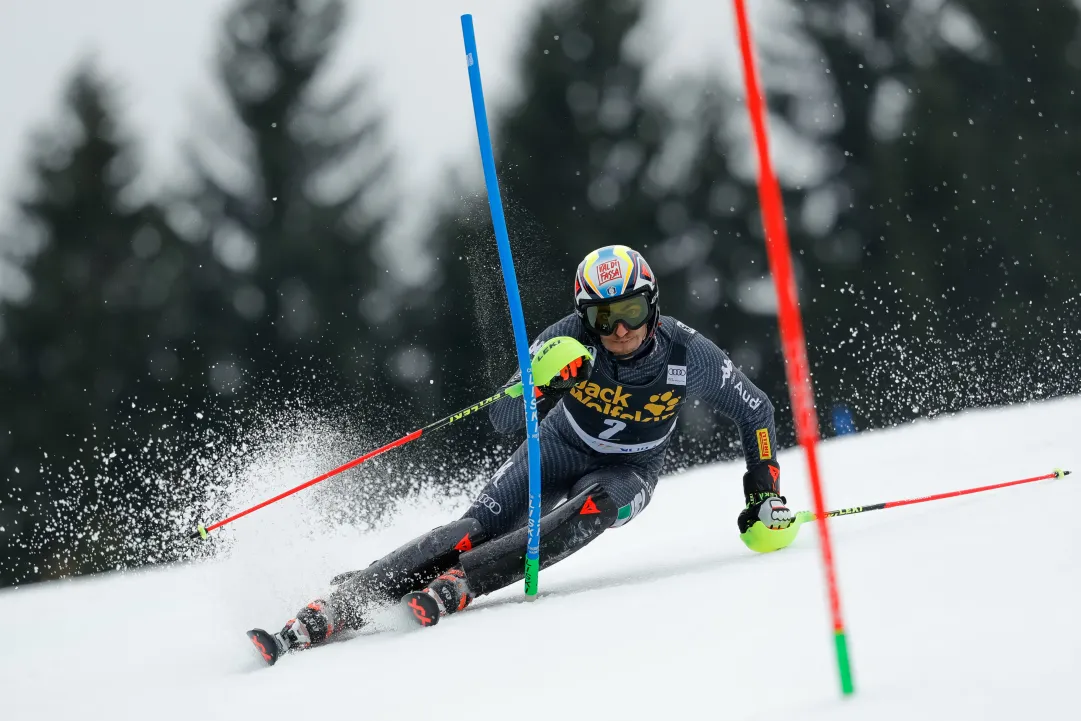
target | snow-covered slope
[{"x": 961, "y": 609}]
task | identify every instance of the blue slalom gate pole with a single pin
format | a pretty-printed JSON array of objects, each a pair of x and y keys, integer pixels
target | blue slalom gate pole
[{"x": 514, "y": 300}]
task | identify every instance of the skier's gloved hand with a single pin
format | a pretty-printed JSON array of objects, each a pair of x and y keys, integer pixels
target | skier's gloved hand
[
  {"x": 559, "y": 363},
  {"x": 768, "y": 509},
  {"x": 550, "y": 380},
  {"x": 766, "y": 524},
  {"x": 549, "y": 395},
  {"x": 545, "y": 401},
  {"x": 574, "y": 372},
  {"x": 762, "y": 492}
]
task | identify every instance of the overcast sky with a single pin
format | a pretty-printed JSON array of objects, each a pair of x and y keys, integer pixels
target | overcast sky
[{"x": 160, "y": 53}]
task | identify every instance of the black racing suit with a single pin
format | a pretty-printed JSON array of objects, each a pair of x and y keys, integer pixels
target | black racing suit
[
  {"x": 602, "y": 449},
  {"x": 571, "y": 459}
]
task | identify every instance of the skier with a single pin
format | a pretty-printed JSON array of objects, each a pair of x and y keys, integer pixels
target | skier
[{"x": 607, "y": 420}]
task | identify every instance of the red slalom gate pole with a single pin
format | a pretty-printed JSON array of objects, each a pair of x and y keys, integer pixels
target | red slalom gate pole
[{"x": 793, "y": 341}]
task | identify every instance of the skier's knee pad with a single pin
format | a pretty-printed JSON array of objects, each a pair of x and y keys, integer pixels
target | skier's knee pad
[
  {"x": 572, "y": 525},
  {"x": 628, "y": 490},
  {"x": 563, "y": 531},
  {"x": 591, "y": 501}
]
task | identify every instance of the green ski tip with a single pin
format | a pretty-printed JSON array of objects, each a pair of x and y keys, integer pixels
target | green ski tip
[
  {"x": 202, "y": 532},
  {"x": 1059, "y": 473}
]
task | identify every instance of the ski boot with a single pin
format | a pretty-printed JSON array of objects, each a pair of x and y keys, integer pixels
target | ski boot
[
  {"x": 269, "y": 646},
  {"x": 313, "y": 624},
  {"x": 447, "y": 594}
]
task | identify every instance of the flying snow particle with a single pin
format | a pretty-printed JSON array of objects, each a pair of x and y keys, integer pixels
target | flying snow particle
[{"x": 199, "y": 416}]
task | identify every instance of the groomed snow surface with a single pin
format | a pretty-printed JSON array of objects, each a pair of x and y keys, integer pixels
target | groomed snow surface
[{"x": 964, "y": 608}]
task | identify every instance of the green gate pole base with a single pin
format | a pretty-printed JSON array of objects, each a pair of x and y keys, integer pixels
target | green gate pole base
[
  {"x": 842, "y": 663},
  {"x": 532, "y": 572}
]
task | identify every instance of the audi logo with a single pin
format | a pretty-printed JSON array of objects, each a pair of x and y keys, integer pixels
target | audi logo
[{"x": 488, "y": 502}]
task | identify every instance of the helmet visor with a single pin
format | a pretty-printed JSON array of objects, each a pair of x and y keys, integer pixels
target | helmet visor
[{"x": 632, "y": 312}]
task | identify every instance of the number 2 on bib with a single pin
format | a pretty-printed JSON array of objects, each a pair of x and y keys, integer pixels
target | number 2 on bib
[{"x": 615, "y": 427}]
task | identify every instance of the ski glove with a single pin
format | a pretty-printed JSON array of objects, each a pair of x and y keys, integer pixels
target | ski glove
[
  {"x": 770, "y": 510},
  {"x": 574, "y": 372},
  {"x": 764, "y": 502}
]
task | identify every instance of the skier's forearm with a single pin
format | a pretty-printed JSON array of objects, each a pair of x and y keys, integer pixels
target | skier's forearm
[
  {"x": 759, "y": 438},
  {"x": 508, "y": 415},
  {"x": 715, "y": 379},
  {"x": 758, "y": 434}
]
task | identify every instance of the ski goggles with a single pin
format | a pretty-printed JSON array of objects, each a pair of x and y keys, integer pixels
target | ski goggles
[{"x": 632, "y": 312}]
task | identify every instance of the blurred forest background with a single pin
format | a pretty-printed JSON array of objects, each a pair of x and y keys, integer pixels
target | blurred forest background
[{"x": 141, "y": 340}]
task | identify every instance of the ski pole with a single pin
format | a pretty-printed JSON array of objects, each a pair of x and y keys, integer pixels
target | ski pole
[
  {"x": 511, "y": 391},
  {"x": 810, "y": 515},
  {"x": 774, "y": 540},
  {"x": 556, "y": 357}
]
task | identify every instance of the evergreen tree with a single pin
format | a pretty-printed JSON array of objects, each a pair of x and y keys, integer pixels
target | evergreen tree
[
  {"x": 948, "y": 187},
  {"x": 712, "y": 259},
  {"x": 578, "y": 152},
  {"x": 852, "y": 254},
  {"x": 290, "y": 205},
  {"x": 84, "y": 342},
  {"x": 988, "y": 167}
]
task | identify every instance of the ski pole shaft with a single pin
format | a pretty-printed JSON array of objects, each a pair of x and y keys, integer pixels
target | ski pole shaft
[
  {"x": 513, "y": 391},
  {"x": 806, "y": 516}
]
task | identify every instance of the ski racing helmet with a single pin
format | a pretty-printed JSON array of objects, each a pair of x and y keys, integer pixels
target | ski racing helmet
[{"x": 614, "y": 284}]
